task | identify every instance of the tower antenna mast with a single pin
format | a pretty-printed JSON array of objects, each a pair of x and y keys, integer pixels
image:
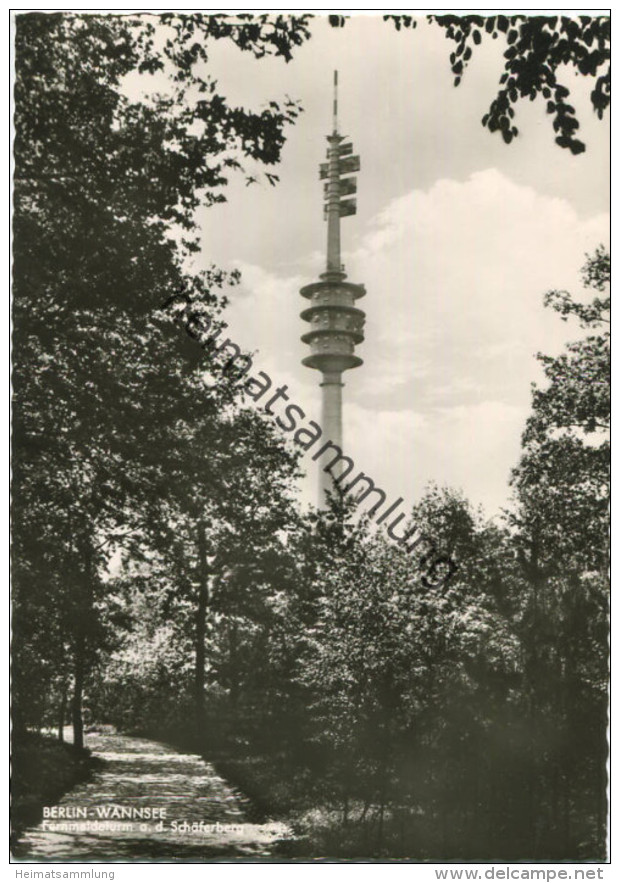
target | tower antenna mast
[
  {"x": 336, "y": 324},
  {"x": 335, "y": 102}
]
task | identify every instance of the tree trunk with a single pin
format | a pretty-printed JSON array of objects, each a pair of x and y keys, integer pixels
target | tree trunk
[
  {"x": 601, "y": 797},
  {"x": 62, "y": 713},
  {"x": 78, "y": 687},
  {"x": 233, "y": 633},
  {"x": 383, "y": 788},
  {"x": 83, "y": 617},
  {"x": 201, "y": 626},
  {"x": 380, "y": 829}
]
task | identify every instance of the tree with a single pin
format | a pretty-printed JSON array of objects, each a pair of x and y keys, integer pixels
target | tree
[
  {"x": 562, "y": 545},
  {"x": 217, "y": 532},
  {"x": 105, "y": 188},
  {"x": 566, "y": 443},
  {"x": 210, "y": 558},
  {"x": 405, "y": 682}
]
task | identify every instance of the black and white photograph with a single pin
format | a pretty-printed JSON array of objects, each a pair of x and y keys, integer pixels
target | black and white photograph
[{"x": 310, "y": 412}]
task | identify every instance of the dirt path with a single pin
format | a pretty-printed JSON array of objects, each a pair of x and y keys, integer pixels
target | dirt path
[{"x": 188, "y": 812}]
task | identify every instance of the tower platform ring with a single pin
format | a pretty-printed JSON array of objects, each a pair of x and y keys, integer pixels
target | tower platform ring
[
  {"x": 323, "y": 362},
  {"x": 355, "y": 336},
  {"x": 307, "y": 314},
  {"x": 316, "y": 287}
]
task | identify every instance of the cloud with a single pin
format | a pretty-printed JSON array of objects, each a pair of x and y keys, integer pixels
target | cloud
[{"x": 455, "y": 278}]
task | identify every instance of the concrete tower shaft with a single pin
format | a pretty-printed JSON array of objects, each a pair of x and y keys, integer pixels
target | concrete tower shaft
[{"x": 336, "y": 323}]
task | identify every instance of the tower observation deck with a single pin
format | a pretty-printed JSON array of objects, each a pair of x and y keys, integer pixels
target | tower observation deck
[{"x": 336, "y": 323}]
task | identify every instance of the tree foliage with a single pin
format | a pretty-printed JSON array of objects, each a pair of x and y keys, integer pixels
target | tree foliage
[
  {"x": 540, "y": 50},
  {"x": 562, "y": 545},
  {"x": 106, "y": 188},
  {"x": 566, "y": 440}
]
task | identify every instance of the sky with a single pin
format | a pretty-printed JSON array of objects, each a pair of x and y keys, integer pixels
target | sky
[{"x": 457, "y": 237}]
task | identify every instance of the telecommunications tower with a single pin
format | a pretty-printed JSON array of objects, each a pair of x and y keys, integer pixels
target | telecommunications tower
[{"x": 336, "y": 324}]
